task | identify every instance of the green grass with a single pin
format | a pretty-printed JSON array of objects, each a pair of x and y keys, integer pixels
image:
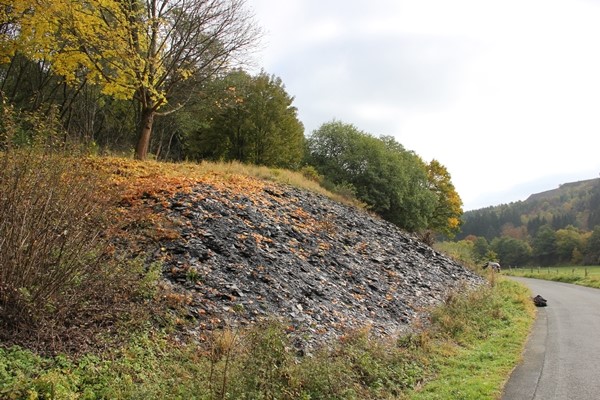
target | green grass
[
  {"x": 467, "y": 352},
  {"x": 477, "y": 364},
  {"x": 580, "y": 275}
]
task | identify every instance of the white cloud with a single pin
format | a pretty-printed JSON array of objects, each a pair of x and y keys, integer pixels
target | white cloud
[{"x": 504, "y": 94}]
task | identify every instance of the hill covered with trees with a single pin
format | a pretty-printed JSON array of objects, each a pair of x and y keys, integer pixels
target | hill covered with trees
[{"x": 558, "y": 226}]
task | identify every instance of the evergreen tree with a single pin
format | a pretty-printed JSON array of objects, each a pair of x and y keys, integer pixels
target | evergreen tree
[
  {"x": 592, "y": 250},
  {"x": 594, "y": 206}
]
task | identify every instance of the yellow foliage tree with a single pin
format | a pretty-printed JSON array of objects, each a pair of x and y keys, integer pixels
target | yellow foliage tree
[
  {"x": 448, "y": 210},
  {"x": 141, "y": 49}
]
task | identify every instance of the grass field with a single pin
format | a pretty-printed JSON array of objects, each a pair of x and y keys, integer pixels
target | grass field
[{"x": 580, "y": 275}]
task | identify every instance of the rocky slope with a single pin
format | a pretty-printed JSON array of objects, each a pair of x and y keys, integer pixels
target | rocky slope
[{"x": 246, "y": 250}]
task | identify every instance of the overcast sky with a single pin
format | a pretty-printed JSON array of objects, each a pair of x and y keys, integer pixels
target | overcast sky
[{"x": 505, "y": 94}]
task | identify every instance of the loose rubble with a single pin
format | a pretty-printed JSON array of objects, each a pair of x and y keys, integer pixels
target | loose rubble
[{"x": 319, "y": 266}]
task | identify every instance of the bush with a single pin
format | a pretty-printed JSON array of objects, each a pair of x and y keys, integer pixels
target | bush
[
  {"x": 311, "y": 173},
  {"x": 471, "y": 315},
  {"x": 20, "y": 129},
  {"x": 56, "y": 276}
]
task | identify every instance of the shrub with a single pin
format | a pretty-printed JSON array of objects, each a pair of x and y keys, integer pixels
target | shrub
[
  {"x": 256, "y": 364},
  {"x": 57, "y": 276},
  {"x": 471, "y": 315},
  {"x": 260, "y": 362},
  {"x": 311, "y": 173},
  {"x": 20, "y": 129}
]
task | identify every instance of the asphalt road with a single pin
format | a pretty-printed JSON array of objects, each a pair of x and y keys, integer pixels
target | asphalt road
[{"x": 562, "y": 357}]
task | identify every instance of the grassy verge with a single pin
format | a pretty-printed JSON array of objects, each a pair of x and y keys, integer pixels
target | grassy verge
[
  {"x": 580, "y": 275},
  {"x": 473, "y": 343},
  {"x": 476, "y": 358}
]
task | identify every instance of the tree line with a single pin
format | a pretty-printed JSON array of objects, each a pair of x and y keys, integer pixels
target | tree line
[
  {"x": 166, "y": 79},
  {"x": 559, "y": 227}
]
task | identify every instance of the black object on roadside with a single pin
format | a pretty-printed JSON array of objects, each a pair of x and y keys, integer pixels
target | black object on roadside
[{"x": 539, "y": 301}]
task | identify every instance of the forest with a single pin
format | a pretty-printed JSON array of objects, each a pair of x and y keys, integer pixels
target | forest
[
  {"x": 170, "y": 80},
  {"x": 555, "y": 227}
]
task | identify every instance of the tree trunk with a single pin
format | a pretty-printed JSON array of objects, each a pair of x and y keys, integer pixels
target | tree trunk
[{"x": 146, "y": 130}]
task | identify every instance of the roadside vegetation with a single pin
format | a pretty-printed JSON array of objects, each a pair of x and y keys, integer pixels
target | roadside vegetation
[
  {"x": 467, "y": 351},
  {"x": 485, "y": 344},
  {"x": 63, "y": 283},
  {"x": 468, "y": 252}
]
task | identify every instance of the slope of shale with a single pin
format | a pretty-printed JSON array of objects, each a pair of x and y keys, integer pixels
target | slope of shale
[{"x": 241, "y": 249}]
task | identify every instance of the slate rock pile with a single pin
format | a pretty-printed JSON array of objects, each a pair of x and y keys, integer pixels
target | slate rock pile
[{"x": 320, "y": 266}]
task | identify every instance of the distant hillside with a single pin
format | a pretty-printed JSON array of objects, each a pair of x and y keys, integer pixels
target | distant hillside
[
  {"x": 564, "y": 190},
  {"x": 574, "y": 204}
]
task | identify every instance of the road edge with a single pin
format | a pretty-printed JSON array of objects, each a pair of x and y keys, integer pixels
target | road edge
[{"x": 523, "y": 381}]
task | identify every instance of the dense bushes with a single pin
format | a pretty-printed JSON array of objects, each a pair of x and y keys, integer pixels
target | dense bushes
[
  {"x": 379, "y": 171},
  {"x": 57, "y": 278}
]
